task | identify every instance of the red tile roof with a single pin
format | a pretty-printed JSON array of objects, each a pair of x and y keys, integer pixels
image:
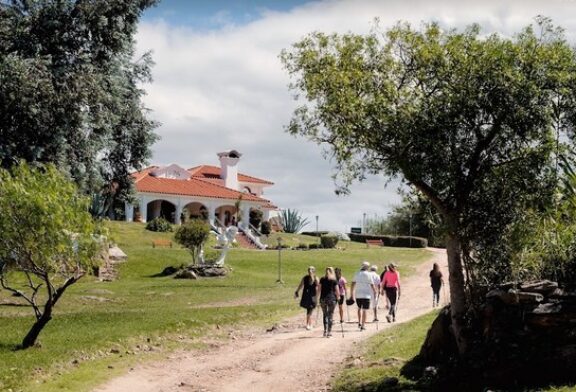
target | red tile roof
[
  {"x": 213, "y": 172},
  {"x": 192, "y": 187}
]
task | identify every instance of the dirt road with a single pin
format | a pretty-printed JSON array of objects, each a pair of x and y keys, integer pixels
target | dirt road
[{"x": 289, "y": 358}]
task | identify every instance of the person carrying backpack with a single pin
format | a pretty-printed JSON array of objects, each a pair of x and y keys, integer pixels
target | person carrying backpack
[{"x": 310, "y": 292}]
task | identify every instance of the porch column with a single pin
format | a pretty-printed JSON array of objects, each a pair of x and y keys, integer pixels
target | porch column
[
  {"x": 128, "y": 211},
  {"x": 245, "y": 216},
  {"x": 144, "y": 209},
  {"x": 177, "y": 214}
]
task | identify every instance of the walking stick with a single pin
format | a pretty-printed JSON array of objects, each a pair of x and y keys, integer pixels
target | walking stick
[{"x": 342, "y": 326}]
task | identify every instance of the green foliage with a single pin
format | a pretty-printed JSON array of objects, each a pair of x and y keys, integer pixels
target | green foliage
[
  {"x": 329, "y": 241},
  {"x": 265, "y": 228},
  {"x": 292, "y": 221},
  {"x": 47, "y": 237},
  {"x": 71, "y": 91},
  {"x": 193, "y": 235},
  {"x": 256, "y": 217},
  {"x": 391, "y": 240},
  {"x": 159, "y": 224},
  {"x": 315, "y": 246}
]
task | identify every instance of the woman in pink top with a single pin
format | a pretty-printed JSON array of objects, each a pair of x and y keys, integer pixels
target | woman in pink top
[{"x": 391, "y": 286}]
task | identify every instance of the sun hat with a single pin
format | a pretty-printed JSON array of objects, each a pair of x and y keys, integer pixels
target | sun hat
[
  {"x": 374, "y": 268},
  {"x": 365, "y": 265}
]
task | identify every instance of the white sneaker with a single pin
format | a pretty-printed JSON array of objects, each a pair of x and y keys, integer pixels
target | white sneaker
[{"x": 308, "y": 327}]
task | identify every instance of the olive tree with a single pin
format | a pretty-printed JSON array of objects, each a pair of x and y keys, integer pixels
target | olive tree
[
  {"x": 47, "y": 241},
  {"x": 470, "y": 121},
  {"x": 193, "y": 235}
]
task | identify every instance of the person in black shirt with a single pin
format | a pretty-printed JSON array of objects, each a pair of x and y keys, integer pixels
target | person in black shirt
[
  {"x": 310, "y": 286},
  {"x": 329, "y": 296},
  {"x": 436, "y": 282}
]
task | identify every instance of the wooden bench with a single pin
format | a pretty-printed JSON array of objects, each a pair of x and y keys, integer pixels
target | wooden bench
[
  {"x": 374, "y": 242},
  {"x": 166, "y": 243}
]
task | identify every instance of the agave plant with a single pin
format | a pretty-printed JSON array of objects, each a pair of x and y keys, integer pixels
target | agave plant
[{"x": 292, "y": 221}]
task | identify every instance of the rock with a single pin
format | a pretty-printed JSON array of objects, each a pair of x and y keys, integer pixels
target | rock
[
  {"x": 116, "y": 255},
  {"x": 529, "y": 298},
  {"x": 509, "y": 298},
  {"x": 185, "y": 274},
  {"x": 544, "y": 287}
]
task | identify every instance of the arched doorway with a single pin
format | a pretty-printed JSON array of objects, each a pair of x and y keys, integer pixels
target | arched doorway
[
  {"x": 226, "y": 215},
  {"x": 195, "y": 210},
  {"x": 161, "y": 208}
]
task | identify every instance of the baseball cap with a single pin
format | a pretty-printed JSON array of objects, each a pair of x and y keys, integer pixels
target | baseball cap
[{"x": 365, "y": 265}]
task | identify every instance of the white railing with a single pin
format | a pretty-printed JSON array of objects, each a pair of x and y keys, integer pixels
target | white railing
[{"x": 251, "y": 236}]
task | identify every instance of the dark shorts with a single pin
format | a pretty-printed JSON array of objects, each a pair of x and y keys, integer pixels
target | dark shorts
[
  {"x": 341, "y": 300},
  {"x": 363, "y": 303}
]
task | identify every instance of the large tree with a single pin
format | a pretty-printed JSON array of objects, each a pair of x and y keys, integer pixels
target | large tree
[
  {"x": 70, "y": 89},
  {"x": 48, "y": 239},
  {"x": 473, "y": 122}
]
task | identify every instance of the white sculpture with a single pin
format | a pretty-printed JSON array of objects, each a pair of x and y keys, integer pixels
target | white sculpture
[{"x": 225, "y": 240}]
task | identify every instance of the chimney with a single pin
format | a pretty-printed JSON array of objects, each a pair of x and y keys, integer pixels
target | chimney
[{"x": 229, "y": 168}]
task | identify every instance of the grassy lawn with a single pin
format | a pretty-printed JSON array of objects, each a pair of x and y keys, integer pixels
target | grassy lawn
[{"x": 101, "y": 328}]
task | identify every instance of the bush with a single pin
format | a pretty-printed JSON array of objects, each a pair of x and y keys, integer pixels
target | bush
[
  {"x": 315, "y": 233},
  {"x": 302, "y": 246},
  {"x": 192, "y": 236},
  {"x": 265, "y": 228},
  {"x": 328, "y": 241},
  {"x": 314, "y": 246},
  {"x": 159, "y": 224},
  {"x": 256, "y": 217},
  {"x": 390, "y": 240}
]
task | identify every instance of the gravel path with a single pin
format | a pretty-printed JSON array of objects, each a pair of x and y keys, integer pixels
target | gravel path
[{"x": 289, "y": 358}]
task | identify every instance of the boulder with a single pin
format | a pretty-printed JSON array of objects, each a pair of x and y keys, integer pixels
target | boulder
[
  {"x": 116, "y": 255},
  {"x": 544, "y": 287},
  {"x": 185, "y": 274}
]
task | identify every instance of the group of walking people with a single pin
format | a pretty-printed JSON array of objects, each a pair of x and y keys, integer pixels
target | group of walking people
[
  {"x": 366, "y": 289},
  {"x": 331, "y": 290}
]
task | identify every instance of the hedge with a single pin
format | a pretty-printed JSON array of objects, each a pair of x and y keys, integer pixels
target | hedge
[
  {"x": 314, "y": 233},
  {"x": 328, "y": 241},
  {"x": 390, "y": 240}
]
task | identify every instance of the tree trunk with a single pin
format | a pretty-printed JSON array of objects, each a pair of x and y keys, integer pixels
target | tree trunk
[
  {"x": 457, "y": 291},
  {"x": 30, "y": 338}
]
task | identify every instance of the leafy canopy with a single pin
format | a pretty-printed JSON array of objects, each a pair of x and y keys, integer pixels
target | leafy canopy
[
  {"x": 70, "y": 90},
  {"x": 48, "y": 236},
  {"x": 193, "y": 235}
]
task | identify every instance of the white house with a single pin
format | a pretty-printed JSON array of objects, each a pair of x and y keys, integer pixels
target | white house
[{"x": 202, "y": 190}]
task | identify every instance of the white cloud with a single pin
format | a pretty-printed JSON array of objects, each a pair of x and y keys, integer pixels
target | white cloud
[{"x": 221, "y": 89}]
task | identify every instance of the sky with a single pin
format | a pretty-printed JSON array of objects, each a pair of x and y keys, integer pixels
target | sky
[{"x": 219, "y": 85}]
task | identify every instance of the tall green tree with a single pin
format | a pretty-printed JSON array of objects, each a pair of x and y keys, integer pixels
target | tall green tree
[
  {"x": 70, "y": 90},
  {"x": 470, "y": 121},
  {"x": 48, "y": 239}
]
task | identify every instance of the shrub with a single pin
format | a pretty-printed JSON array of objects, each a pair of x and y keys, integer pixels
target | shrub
[
  {"x": 315, "y": 233},
  {"x": 159, "y": 224},
  {"x": 390, "y": 240},
  {"x": 328, "y": 241},
  {"x": 265, "y": 228},
  {"x": 314, "y": 246},
  {"x": 192, "y": 236},
  {"x": 256, "y": 217},
  {"x": 302, "y": 246}
]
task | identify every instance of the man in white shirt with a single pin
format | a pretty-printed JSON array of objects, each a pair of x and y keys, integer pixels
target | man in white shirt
[{"x": 362, "y": 290}]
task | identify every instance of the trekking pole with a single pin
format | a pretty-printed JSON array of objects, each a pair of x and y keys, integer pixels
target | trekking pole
[{"x": 342, "y": 326}]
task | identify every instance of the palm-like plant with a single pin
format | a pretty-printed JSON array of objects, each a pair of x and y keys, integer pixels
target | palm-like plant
[{"x": 292, "y": 221}]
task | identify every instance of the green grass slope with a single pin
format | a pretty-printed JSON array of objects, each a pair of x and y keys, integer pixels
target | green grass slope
[{"x": 101, "y": 328}]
